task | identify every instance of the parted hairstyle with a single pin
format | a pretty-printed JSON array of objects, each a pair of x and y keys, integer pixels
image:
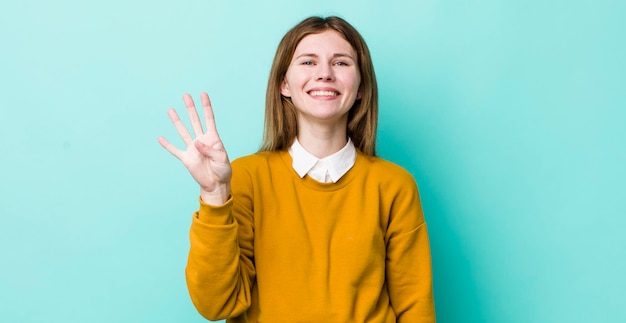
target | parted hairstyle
[{"x": 281, "y": 126}]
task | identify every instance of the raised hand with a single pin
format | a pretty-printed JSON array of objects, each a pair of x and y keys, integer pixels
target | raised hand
[{"x": 205, "y": 156}]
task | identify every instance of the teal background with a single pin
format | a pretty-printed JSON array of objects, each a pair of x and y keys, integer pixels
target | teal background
[{"x": 510, "y": 115}]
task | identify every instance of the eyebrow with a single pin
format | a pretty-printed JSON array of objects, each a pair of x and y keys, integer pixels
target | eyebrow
[{"x": 334, "y": 55}]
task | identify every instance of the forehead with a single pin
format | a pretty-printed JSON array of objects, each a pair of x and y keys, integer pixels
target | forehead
[{"x": 328, "y": 41}]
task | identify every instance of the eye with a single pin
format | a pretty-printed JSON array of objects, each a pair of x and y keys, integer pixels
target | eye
[
  {"x": 306, "y": 63},
  {"x": 341, "y": 63}
]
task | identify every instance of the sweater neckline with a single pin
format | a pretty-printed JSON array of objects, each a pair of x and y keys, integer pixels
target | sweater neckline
[{"x": 328, "y": 187}]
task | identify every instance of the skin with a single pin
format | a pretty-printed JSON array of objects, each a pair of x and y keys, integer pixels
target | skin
[
  {"x": 205, "y": 156},
  {"x": 322, "y": 63},
  {"x": 323, "y": 82}
]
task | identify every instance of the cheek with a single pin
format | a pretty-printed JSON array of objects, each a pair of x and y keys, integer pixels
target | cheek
[
  {"x": 357, "y": 83},
  {"x": 356, "y": 87},
  {"x": 289, "y": 86}
]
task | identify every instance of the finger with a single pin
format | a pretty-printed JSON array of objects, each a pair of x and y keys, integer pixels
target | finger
[
  {"x": 209, "y": 118},
  {"x": 202, "y": 148},
  {"x": 180, "y": 127},
  {"x": 215, "y": 153},
  {"x": 193, "y": 115},
  {"x": 169, "y": 147}
]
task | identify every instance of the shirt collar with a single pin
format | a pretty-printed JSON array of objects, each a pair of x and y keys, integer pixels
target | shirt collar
[{"x": 337, "y": 164}]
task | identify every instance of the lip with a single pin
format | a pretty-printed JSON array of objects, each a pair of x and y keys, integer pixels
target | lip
[{"x": 323, "y": 89}]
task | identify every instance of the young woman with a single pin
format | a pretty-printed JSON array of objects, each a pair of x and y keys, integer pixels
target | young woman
[{"x": 314, "y": 227}]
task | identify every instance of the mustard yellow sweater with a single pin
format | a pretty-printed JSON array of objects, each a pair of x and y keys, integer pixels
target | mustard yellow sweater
[{"x": 290, "y": 249}]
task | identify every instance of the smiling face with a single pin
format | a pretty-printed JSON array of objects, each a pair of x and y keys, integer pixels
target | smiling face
[{"x": 323, "y": 79}]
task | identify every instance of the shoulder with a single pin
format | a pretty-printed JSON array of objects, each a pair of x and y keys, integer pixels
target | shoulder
[
  {"x": 262, "y": 155},
  {"x": 386, "y": 171},
  {"x": 261, "y": 170},
  {"x": 260, "y": 163},
  {"x": 397, "y": 192}
]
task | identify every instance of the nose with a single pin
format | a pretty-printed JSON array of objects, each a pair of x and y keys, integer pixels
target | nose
[{"x": 325, "y": 73}]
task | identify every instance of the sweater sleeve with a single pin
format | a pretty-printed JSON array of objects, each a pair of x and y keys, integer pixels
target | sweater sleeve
[
  {"x": 220, "y": 267},
  {"x": 408, "y": 263}
]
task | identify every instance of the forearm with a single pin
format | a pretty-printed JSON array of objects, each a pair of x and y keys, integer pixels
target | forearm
[
  {"x": 218, "y": 275},
  {"x": 409, "y": 275}
]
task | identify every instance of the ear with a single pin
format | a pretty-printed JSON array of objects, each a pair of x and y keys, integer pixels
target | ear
[
  {"x": 284, "y": 89},
  {"x": 359, "y": 94}
]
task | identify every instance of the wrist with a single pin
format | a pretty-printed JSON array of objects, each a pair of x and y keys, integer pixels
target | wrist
[{"x": 217, "y": 196}]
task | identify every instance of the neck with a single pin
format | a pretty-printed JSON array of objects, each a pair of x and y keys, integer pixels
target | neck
[{"x": 322, "y": 140}]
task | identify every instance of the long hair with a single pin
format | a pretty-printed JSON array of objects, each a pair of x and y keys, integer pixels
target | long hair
[{"x": 281, "y": 126}]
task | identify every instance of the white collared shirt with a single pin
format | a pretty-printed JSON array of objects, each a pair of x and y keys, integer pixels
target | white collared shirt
[{"x": 325, "y": 170}]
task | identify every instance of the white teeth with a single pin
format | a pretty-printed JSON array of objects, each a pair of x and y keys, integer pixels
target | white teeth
[{"x": 323, "y": 93}]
